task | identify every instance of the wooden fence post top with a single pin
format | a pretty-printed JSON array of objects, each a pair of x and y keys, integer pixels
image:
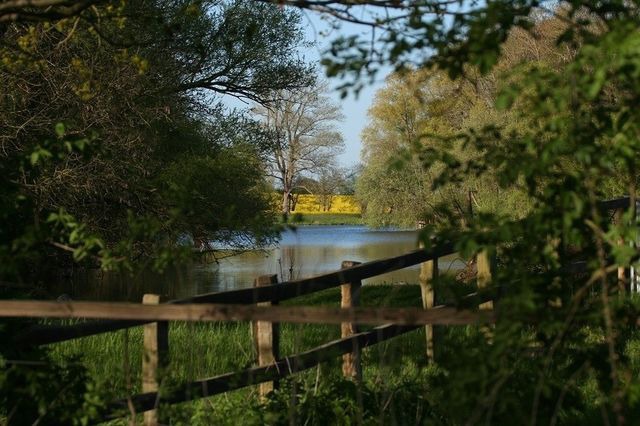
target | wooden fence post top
[
  {"x": 151, "y": 299},
  {"x": 264, "y": 280}
]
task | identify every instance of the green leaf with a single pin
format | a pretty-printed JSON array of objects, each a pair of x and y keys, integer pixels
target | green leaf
[
  {"x": 599, "y": 78},
  {"x": 35, "y": 156},
  {"x": 60, "y": 130}
]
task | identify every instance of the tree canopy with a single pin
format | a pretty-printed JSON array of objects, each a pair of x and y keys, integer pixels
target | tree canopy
[
  {"x": 114, "y": 141},
  {"x": 305, "y": 138},
  {"x": 560, "y": 128}
]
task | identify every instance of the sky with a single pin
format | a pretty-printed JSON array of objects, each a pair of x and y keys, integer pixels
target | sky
[{"x": 354, "y": 109}]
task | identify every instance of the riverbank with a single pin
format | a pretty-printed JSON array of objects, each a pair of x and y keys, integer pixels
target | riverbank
[{"x": 326, "y": 219}]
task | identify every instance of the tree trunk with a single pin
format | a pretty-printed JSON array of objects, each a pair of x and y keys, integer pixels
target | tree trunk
[{"x": 286, "y": 202}]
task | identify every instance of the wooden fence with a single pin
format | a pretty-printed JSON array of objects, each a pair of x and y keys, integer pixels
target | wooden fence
[{"x": 260, "y": 305}]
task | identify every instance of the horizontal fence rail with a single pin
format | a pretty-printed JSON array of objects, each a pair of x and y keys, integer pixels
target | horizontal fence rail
[
  {"x": 279, "y": 369},
  {"x": 42, "y": 335},
  {"x": 617, "y": 203},
  {"x": 217, "y": 312}
]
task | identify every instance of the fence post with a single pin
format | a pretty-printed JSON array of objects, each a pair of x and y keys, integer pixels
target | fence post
[
  {"x": 428, "y": 274},
  {"x": 154, "y": 359},
  {"x": 483, "y": 264},
  {"x": 633, "y": 273},
  {"x": 350, "y": 292},
  {"x": 266, "y": 336},
  {"x": 622, "y": 279}
]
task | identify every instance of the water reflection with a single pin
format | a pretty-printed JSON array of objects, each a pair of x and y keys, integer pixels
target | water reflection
[{"x": 304, "y": 252}]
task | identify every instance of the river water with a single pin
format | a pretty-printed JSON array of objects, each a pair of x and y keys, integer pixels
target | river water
[{"x": 301, "y": 253}]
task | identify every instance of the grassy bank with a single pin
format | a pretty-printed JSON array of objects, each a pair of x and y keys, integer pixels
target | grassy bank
[{"x": 326, "y": 219}]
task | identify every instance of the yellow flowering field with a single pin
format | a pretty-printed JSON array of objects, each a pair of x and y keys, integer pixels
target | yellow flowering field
[{"x": 308, "y": 203}]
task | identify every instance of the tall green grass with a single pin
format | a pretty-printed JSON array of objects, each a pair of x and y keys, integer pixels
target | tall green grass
[
  {"x": 200, "y": 350},
  {"x": 399, "y": 387},
  {"x": 326, "y": 219}
]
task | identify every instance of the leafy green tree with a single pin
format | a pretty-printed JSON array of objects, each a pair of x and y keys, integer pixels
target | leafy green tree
[
  {"x": 560, "y": 351},
  {"x": 114, "y": 147},
  {"x": 417, "y": 110},
  {"x": 138, "y": 83}
]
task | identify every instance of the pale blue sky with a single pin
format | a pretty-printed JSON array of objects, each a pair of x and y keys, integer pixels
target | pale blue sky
[{"x": 354, "y": 109}]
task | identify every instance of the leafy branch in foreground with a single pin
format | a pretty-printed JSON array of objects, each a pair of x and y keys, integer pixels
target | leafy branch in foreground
[
  {"x": 574, "y": 144},
  {"x": 580, "y": 141}
]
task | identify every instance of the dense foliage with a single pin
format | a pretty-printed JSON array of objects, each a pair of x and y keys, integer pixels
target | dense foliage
[
  {"x": 115, "y": 151},
  {"x": 114, "y": 143},
  {"x": 570, "y": 140},
  {"x": 424, "y": 111}
]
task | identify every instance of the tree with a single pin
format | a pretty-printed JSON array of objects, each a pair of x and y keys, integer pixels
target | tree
[
  {"x": 577, "y": 126},
  {"x": 421, "y": 112},
  {"x": 351, "y": 175},
  {"x": 141, "y": 95},
  {"x": 114, "y": 147},
  {"x": 305, "y": 139}
]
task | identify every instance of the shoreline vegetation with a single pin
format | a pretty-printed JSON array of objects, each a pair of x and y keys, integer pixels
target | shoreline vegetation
[{"x": 329, "y": 219}]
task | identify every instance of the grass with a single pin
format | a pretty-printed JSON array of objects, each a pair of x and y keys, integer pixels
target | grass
[
  {"x": 326, "y": 219},
  {"x": 399, "y": 387},
  {"x": 200, "y": 350}
]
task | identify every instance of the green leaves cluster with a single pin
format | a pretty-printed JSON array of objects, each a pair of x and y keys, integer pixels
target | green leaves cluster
[
  {"x": 576, "y": 148},
  {"x": 551, "y": 118},
  {"x": 111, "y": 118},
  {"x": 115, "y": 151}
]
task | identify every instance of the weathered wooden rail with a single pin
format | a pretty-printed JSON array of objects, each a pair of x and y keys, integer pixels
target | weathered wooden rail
[
  {"x": 260, "y": 305},
  {"x": 220, "y": 312}
]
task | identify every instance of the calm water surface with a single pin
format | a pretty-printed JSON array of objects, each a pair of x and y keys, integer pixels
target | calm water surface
[{"x": 307, "y": 251}]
